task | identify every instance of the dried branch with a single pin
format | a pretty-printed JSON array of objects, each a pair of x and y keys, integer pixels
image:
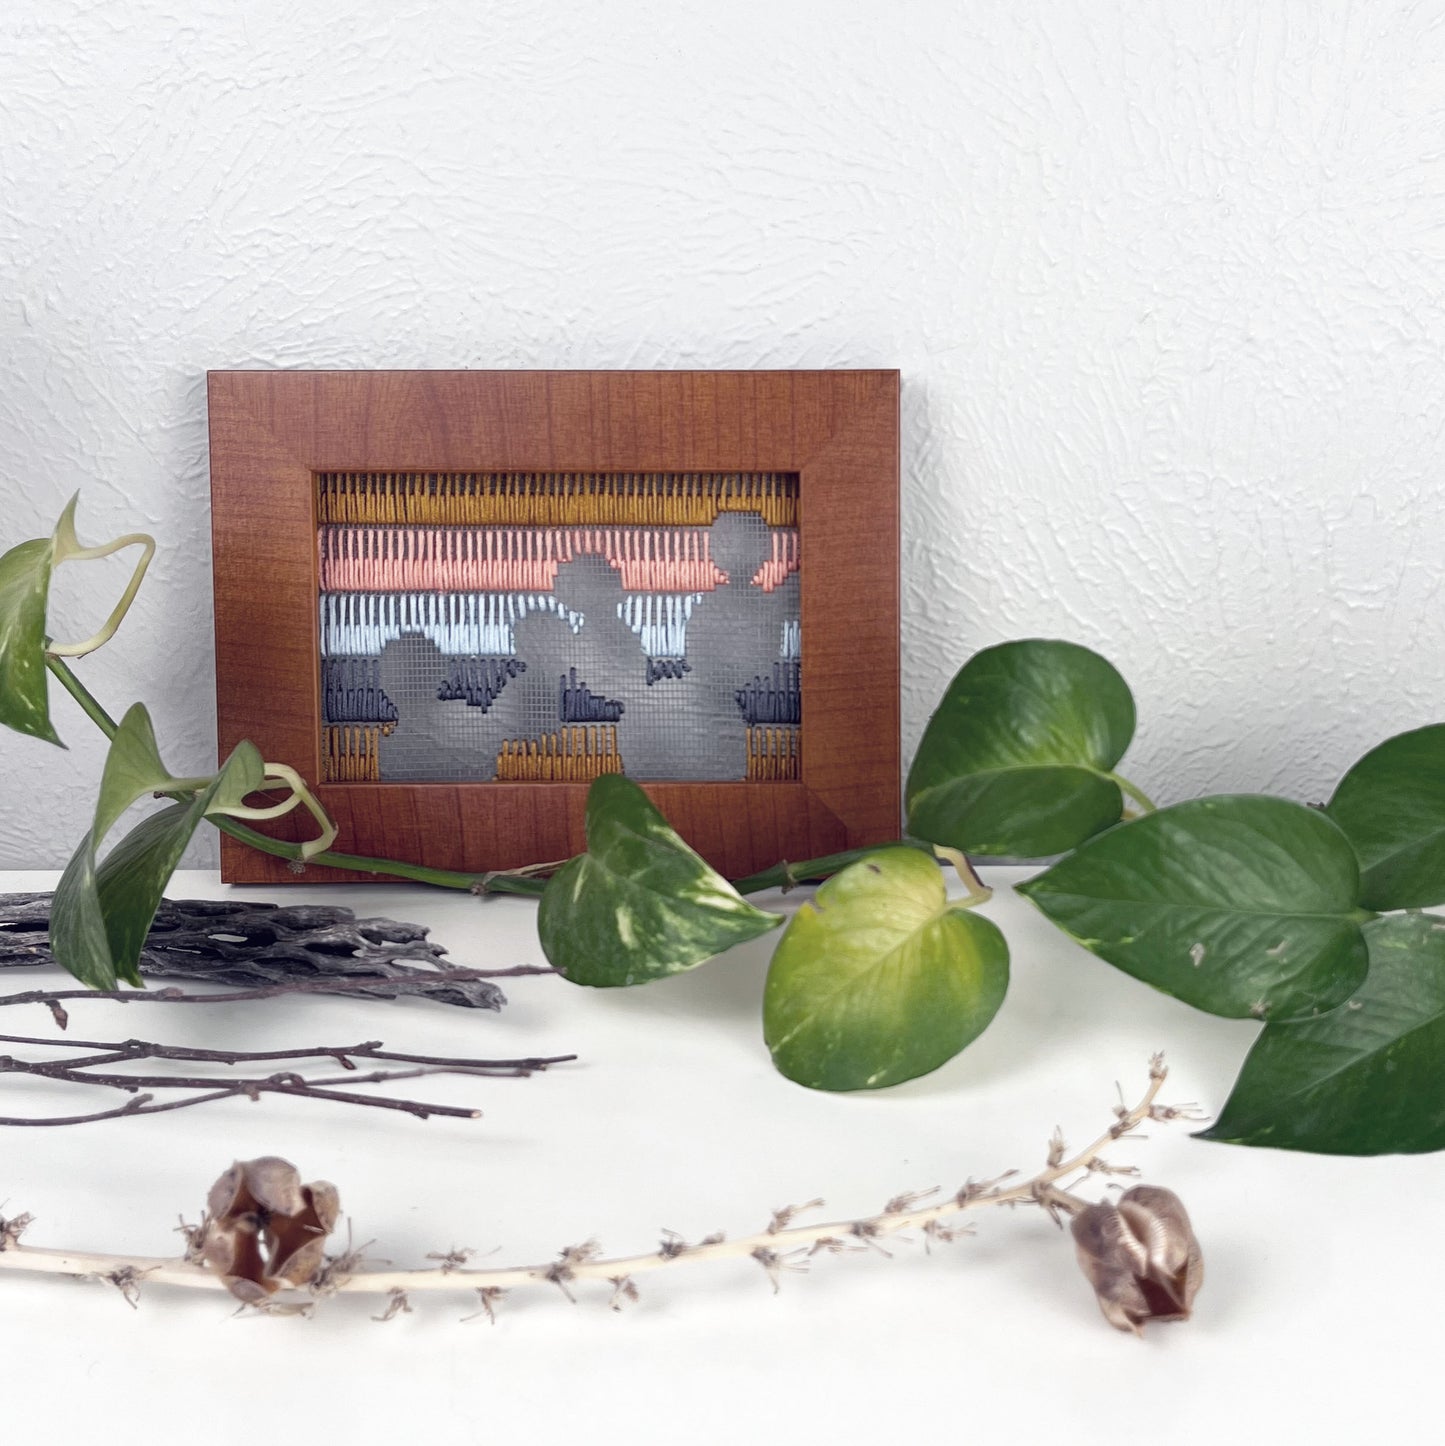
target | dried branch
[
  {"x": 778, "y": 1248},
  {"x": 206, "y": 1089}
]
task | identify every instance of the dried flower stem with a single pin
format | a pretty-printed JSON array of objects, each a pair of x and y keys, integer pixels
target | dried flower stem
[{"x": 780, "y": 1247}]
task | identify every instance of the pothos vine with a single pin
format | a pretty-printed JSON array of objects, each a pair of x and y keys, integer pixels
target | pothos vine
[{"x": 1306, "y": 919}]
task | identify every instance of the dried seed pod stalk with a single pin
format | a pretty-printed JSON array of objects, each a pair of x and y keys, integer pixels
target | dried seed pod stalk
[{"x": 264, "y": 1231}]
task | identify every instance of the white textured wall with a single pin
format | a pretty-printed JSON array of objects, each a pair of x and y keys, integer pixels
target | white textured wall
[{"x": 1164, "y": 282}]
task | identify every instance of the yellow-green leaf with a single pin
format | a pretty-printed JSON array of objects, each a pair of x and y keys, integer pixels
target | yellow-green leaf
[{"x": 881, "y": 978}]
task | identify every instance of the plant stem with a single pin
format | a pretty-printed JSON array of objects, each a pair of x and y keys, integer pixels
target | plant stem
[
  {"x": 978, "y": 893},
  {"x": 495, "y": 883},
  {"x": 418, "y": 873},
  {"x": 147, "y": 544},
  {"x": 787, "y": 875},
  {"x": 1134, "y": 792},
  {"x": 524, "y": 881},
  {"x": 83, "y": 696}
]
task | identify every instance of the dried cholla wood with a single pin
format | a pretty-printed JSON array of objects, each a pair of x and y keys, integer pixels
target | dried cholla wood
[{"x": 247, "y": 944}]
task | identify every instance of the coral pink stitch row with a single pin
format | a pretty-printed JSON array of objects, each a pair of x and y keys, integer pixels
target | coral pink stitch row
[{"x": 393, "y": 559}]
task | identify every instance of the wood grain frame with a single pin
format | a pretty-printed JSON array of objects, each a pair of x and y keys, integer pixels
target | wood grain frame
[{"x": 838, "y": 430}]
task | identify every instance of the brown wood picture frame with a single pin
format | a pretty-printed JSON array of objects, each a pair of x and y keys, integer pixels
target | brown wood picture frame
[{"x": 272, "y": 432}]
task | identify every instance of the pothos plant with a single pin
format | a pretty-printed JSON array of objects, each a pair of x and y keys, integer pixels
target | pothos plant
[{"x": 1306, "y": 918}]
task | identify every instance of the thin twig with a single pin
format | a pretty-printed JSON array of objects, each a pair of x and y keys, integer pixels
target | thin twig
[
  {"x": 207, "y": 1089},
  {"x": 369, "y": 1049},
  {"x": 777, "y": 1250},
  {"x": 145, "y": 1104}
]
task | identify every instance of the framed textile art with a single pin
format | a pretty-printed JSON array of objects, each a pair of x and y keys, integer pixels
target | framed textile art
[{"x": 451, "y": 599}]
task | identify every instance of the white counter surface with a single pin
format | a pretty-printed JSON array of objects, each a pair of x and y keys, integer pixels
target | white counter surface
[{"x": 1319, "y": 1319}]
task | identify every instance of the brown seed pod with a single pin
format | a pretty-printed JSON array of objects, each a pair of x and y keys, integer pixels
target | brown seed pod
[
  {"x": 1140, "y": 1255},
  {"x": 265, "y": 1230}
]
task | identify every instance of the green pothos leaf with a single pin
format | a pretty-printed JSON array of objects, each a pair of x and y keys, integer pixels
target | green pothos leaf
[
  {"x": 25, "y": 573},
  {"x": 103, "y": 910},
  {"x": 24, "y": 591},
  {"x": 1239, "y": 905},
  {"x": 1016, "y": 759},
  {"x": 881, "y": 978},
  {"x": 639, "y": 904},
  {"x": 1391, "y": 805},
  {"x": 1368, "y": 1078}
]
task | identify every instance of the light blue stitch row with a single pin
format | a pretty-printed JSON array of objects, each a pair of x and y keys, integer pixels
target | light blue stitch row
[
  {"x": 461, "y": 624},
  {"x": 791, "y": 648},
  {"x": 660, "y": 620}
]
